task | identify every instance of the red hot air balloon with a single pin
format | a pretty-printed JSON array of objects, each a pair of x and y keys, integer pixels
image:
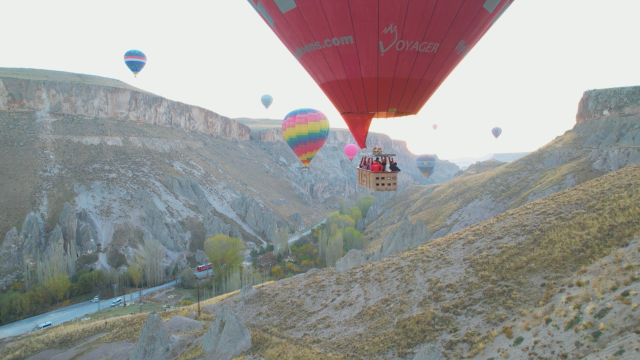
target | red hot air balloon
[
  {"x": 351, "y": 151},
  {"x": 379, "y": 58}
]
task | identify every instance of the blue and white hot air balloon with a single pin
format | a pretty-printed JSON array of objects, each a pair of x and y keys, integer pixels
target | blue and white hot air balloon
[
  {"x": 135, "y": 60},
  {"x": 266, "y": 100}
]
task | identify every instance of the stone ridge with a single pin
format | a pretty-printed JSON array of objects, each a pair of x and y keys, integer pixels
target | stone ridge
[
  {"x": 604, "y": 103},
  {"x": 110, "y": 102},
  {"x": 63, "y": 76}
]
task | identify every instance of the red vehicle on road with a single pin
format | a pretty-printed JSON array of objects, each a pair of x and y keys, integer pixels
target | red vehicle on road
[{"x": 201, "y": 268}]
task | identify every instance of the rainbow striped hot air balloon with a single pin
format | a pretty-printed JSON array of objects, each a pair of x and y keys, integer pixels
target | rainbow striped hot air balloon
[
  {"x": 305, "y": 131},
  {"x": 135, "y": 60}
]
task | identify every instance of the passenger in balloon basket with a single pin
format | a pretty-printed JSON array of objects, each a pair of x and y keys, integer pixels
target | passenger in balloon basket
[
  {"x": 376, "y": 166},
  {"x": 384, "y": 164},
  {"x": 394, "y": 166}
]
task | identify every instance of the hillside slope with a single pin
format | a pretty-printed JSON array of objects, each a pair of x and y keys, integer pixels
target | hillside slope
[
  {"x": 462, "y": 291},
  {"x": 556, "y": 278},
  {"x": 592, "y": 148}
]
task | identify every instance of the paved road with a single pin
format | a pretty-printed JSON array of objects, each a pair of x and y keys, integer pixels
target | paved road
[
  {"x": 69, "y": 312},
  {"x": 297, "y": 237},
  {"x": 82, "y": 309}
]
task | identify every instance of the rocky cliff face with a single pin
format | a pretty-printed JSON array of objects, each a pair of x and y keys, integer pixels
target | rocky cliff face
[
  {"x": 605, "y": 138},
  {"x": 110, "y": 102},
  {"x": 609, "y": 103}
]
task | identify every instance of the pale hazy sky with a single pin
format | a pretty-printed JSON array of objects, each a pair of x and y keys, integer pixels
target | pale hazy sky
[{"x": 526, "y": 75}]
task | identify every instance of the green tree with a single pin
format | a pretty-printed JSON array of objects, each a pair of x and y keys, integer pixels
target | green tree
[
  {"x": 188, "y": 278},
  {"x": 334, "y": 249},
  {"x": 355, "y": 213},
  {"x": 85, "y": 283},
  {"x": 98, "y": 278},
  {"x": 154, "y": 256},
  {"x": 323, "y": 242},
  {"x": 224, "y": 253},
  {"x": 353, "y": 239},
  {"x": 341, "y": 221},
  {"x": 365, "y": 204}
]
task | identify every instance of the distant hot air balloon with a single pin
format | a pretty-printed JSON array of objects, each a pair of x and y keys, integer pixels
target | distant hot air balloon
[
  {"x": 496, "y": 131},
  {"x": 135, "y": 60},
  {"x": 425, "y": 164},
  {"x": 351, "y": 150},
  {"x": 266, "y": 100},
  {"x": 379, "y": 58},
  {"x": 434, "y": 126},
  {"x": 305, "y": 130}
]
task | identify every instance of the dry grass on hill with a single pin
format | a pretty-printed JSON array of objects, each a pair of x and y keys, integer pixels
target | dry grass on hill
[{"x": 458, "y": 291}]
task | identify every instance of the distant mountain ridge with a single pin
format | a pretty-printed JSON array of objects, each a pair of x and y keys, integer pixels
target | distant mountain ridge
[{"x": 506, "y": 157}]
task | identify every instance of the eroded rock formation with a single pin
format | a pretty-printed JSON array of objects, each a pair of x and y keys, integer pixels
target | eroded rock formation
[
  {"x": 227, "y": 337},
  {"x": 154, "y": 342}
]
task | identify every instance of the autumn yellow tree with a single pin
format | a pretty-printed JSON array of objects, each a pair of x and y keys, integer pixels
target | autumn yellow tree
[
  {"x": 134, "y": 271},
  {"x": 290, "y": 266},
  {"x": 277, "y": 271},
  {"x": 225, "y": 253}
]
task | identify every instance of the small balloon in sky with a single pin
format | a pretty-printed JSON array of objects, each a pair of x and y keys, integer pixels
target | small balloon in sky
[
  {"x": 305, "y": 131},
  {"x": 496, "y": 131},
  {"x": 434, "y": 126},
  {"x": 351, "y": 150},
  {"x": 135, "y": 60},
  {"x": 266, "y": 100},
  {"x": 426, "y": 163}
]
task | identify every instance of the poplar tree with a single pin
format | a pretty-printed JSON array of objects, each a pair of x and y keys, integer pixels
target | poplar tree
[{"x": 154, "y": 256}]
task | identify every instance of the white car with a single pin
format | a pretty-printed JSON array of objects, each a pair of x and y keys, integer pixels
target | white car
[
  {"x": 44, "y": 325},
  {"x": 95, "y": 299},
  {"x": 116, "y": 302}
]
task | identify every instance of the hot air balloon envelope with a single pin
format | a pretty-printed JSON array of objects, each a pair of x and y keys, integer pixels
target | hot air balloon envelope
[
  {"x": 135, "y": 60},
  {"x": 496, "y": 131},
  {"x": 426, "y": 164},
  {"x": 266, "y": 100},
  {"x": 351, "y": 150},
  {"x": 305, "y": 131},
  {"x": 379, "y": 58},
  {"x": 434, "y": 126}
]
